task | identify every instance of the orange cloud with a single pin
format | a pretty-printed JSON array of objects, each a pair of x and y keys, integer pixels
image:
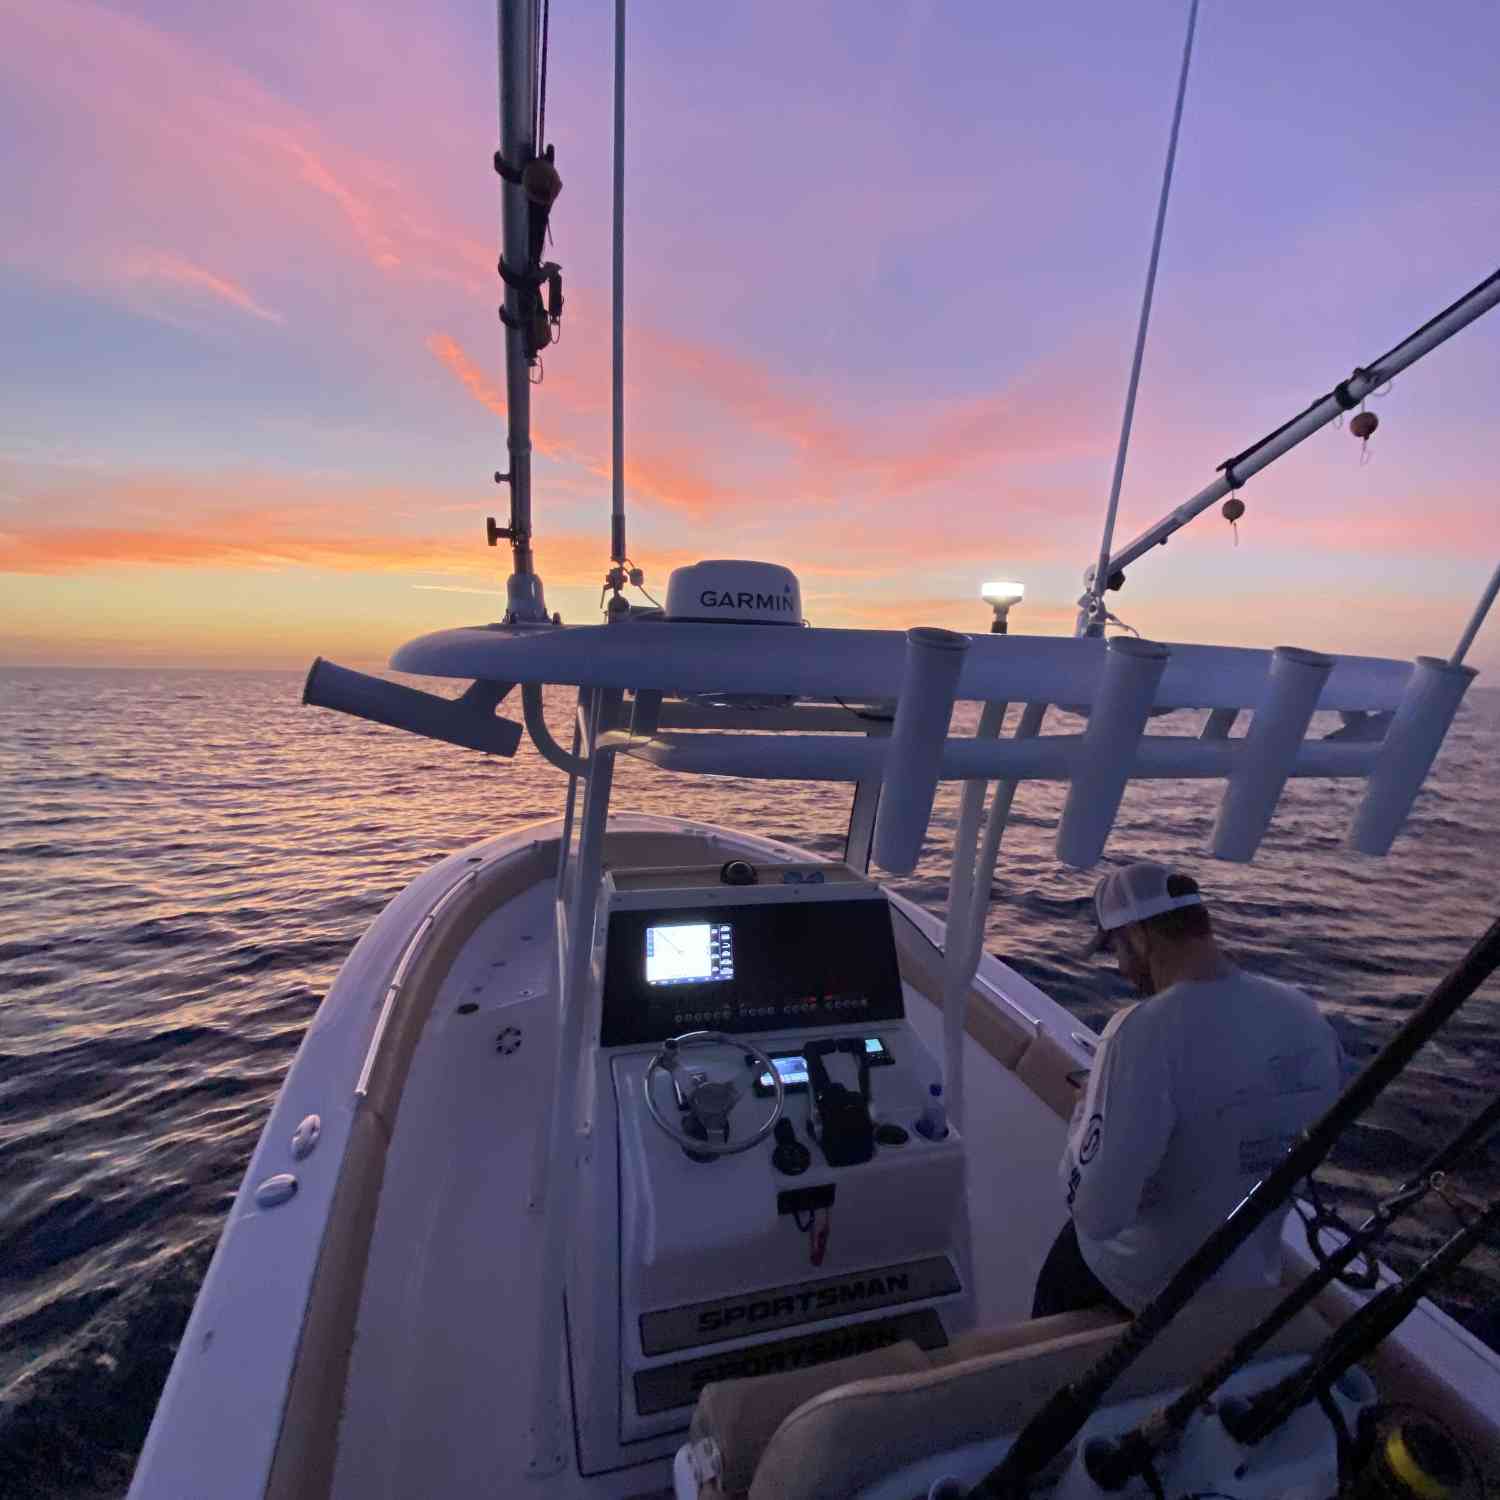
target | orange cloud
[
  {"x": 765, "y": 400},
  {"x": 176, "y": 270},
  {"x": 357, "y": 210},
  {"x": 932, "y": 443},
  {"x": 184, "y": 522},
  {"x": 825, "y": 459},
  {"x": 655, "y": 477},
  {"x": 235, "y": 540},
  {"x": 473, "y": 379}
]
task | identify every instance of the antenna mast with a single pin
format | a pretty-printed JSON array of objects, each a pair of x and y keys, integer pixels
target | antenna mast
[
  {"x": 1092, "y": 615},
  {"x": 617, "y": 511}
]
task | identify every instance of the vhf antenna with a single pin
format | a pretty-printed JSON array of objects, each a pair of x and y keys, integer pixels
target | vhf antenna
[{"x": 1092, "y": 612}]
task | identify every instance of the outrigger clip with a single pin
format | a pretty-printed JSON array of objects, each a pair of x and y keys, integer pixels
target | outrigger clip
[
  {"x": 537, "y": 322},
  {"x": 1341, "y": 392}
]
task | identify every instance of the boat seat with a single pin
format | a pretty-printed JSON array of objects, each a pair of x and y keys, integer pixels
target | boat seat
[
  {"x": 852, "y": 1433},
  {"x": 741, "y": 1415}
]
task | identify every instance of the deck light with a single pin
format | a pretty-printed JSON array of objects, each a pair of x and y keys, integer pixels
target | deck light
[{"x": 1000, "y": 596}]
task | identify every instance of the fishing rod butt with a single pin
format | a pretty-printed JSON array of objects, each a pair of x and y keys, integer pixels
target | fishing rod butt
[
  {"x": 1113, "y": 1462},
  {"x": 914, "y": 753},
  {"x": 468, "y": 721}
]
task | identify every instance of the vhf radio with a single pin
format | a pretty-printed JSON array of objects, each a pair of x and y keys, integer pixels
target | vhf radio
[{"x": 841, "y": 1115}]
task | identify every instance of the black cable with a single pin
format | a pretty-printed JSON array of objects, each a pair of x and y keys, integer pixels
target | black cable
[
  {"x": 640, "y": 586},
  {"x": 541, "y": 111},
  {"x": 1343, "y": 1441},
  {"x": 859, "y": 713}
]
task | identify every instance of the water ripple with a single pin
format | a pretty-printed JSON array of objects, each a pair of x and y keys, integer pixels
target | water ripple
[{"x": 187, "y": 858}]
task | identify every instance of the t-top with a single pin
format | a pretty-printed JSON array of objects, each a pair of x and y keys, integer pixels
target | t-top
[{"x": 1194, "y": 1096}]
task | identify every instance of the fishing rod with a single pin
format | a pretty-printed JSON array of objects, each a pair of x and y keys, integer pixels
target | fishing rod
[
  {"x": 1112, "y": 1462},
  {"x": 1249, "y": 1419},
  {"x": 1061, "y": 1416}
]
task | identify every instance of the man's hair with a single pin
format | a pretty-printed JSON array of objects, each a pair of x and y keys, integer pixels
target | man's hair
[{"x": 1182, "y": 921}]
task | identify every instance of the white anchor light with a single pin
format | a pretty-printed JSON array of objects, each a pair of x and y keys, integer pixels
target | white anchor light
[{"x": 1001, "y": 595}]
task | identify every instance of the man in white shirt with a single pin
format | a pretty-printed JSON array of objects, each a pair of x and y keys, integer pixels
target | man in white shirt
[{"x": 1195, "y": 1094}]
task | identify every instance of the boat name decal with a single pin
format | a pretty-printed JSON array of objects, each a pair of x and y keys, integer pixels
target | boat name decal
[
  {"x": 876, "y": 1287},
  {"x": 774, "y": 1307},
  {"x": 671, "y": 1386}
]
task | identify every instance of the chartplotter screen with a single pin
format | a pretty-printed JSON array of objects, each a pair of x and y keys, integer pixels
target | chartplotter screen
[
  {"x": 762, "y": 967},
  {"x": 689, "y": 953}
]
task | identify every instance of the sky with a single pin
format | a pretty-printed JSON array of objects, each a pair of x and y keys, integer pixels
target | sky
[{"x": 884, "y": 263}]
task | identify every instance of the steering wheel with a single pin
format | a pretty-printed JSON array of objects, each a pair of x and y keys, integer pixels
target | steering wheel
[{"x": 711, "y": 1101}]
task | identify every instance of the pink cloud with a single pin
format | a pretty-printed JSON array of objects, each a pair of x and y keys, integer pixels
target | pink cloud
[
  {"x": 670, "y": 480},
  {"x": 156, "y": 266},
  {"x": 202, "y": 152},
  {"x": 358, "y": 211}
]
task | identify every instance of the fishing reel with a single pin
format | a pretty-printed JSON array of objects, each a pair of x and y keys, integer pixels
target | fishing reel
[{"x": 1361, "y": 1274}]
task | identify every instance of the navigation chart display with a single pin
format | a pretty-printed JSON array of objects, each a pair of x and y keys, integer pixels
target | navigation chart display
[
  {"x": 762, "y": 966},
  {"x": 689, "y": 953}
]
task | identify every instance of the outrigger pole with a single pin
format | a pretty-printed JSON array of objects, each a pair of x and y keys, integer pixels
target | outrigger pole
[
  {"x": 1050, "y": 1431},
  {"x": 1235, "y": 472}
]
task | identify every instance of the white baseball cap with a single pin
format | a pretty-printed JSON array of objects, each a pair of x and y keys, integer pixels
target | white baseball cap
[{"x": 1137, "y": 892}]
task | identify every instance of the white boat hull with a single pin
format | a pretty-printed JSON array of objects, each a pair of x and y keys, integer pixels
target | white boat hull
[{"x": 375, "y": 1333}]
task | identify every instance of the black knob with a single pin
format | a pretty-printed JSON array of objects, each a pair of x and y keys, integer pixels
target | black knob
[{"x": 790, "y": 1155}]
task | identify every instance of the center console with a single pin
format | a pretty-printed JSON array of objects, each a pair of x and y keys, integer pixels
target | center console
[{"x": 843, "y": 1229}]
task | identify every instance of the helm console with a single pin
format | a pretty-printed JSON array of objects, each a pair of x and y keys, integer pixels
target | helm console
[{"x": 819, "y": 1214}]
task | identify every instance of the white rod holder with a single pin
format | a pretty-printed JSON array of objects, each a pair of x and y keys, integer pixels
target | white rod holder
[
  {"x": 914, "y": 757},
  {"x": 1411, "y": 745},
  {"x": 961, "y": 942},
  {"x": 1293, "y": 685},
  {"x": 1132, "y": 671},
  {"x": 1220, "y": 722}
]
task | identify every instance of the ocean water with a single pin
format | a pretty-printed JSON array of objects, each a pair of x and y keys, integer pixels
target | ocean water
[{"x": 186, "y": 858}]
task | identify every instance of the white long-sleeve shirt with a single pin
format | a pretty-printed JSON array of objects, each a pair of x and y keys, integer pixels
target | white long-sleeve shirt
[{"x": 1194, "y": 1096}]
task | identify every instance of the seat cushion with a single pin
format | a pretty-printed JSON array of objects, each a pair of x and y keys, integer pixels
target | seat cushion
[
  {"x": 847, "y": 1438},
  {"x": 741, "y": 1415},
  {"x": 981, "y": 1341}
]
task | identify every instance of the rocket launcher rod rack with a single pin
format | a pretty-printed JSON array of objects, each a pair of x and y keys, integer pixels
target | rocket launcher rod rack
[{"x": 1113, "y": 749}]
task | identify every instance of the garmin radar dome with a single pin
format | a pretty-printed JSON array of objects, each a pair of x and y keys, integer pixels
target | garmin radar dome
[
  {"x": 734, "y": 592},
  {"x": 731, "y": 591}
]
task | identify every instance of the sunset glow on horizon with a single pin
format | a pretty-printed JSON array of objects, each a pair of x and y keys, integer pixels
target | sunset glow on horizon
[{"x": 882, "y": 279}]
